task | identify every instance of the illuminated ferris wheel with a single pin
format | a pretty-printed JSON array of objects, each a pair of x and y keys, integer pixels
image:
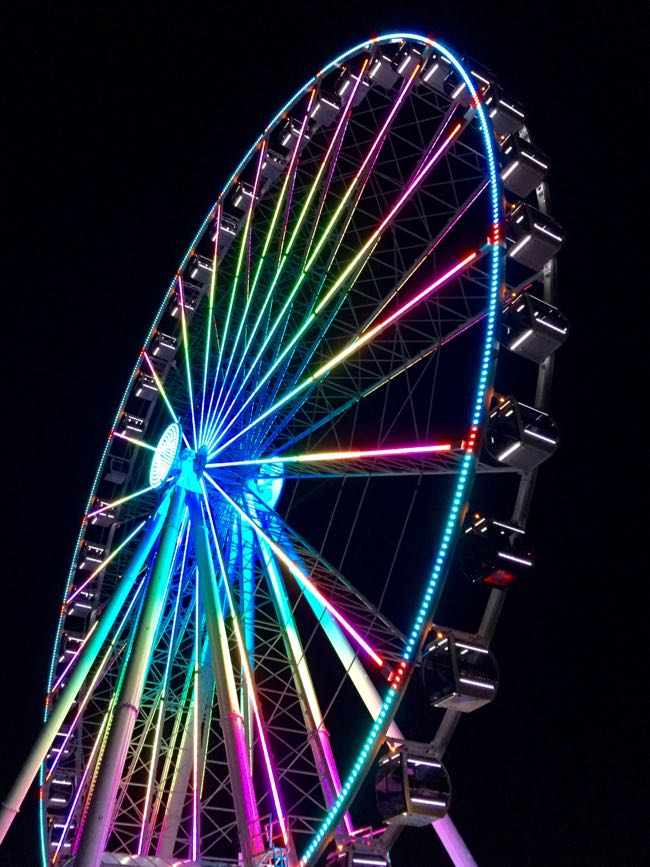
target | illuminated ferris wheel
[{"x": 314, "y": 438}]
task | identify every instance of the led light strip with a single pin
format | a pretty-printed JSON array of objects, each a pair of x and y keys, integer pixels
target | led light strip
[
  {"x": 300, "y": 576},
  {"x": 368, "y": 161},
  {"x": 337, "y": 456},
  {"x": 356, "y": 344},
  {"x": 337, "y": 136},
  {"x": 248, "y": 674},
  {"x": 453, "y": 519}
]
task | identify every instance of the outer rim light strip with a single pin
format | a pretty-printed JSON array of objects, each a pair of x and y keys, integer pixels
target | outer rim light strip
[
  {"x": 468, "y": 461},
  {"x": 245, "y": 662},
  {"x": 299, "y": 575}
]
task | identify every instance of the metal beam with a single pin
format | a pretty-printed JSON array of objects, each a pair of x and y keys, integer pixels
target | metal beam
[{"x": 248, "y": 823}]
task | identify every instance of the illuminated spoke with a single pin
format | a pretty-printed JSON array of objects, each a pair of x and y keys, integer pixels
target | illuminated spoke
[
  {"x": 335, "y": 143},
  {"x": 352, "y": 347},
  {"x": 104, "y": 563},
  {"x": 356, "y": 262},
  {"x": 186, "y": 354},
  {"x": 163, "y": 394},
  {"x": 302, "y": 579},
  {"x": 133, "y": 440},
  {"x": 362, "y": 172},
  {"x": 210, "y": 317},
  {"x": 248, "y": 676}
]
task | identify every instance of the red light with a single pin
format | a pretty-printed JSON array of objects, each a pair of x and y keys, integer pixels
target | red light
[{"x": 500, "y": 578}]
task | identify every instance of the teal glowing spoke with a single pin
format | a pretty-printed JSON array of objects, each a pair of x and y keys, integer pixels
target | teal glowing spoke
[
  {"x": 288, "y": 183},
  {"x": 186, "y": 353},
  {"x": 352, "y": 347},
  {"x": 208, "y": 328},
  {"x": 163, "y": 689},
  {"x": 163, "y": 394}
]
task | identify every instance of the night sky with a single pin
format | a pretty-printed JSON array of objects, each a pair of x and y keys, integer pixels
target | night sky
[{"x": 121, "y": 122}]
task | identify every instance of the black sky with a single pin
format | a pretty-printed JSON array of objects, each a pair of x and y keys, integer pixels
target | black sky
[{"x": 121, "y": 122}]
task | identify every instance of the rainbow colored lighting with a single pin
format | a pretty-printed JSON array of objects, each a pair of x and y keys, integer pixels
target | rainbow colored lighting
[
  {"x": 453, "y": 519},
  {"x": 337, "y": 136},
  {"x": 368, "y": 161},
  {"x": 352, "y": 347}
]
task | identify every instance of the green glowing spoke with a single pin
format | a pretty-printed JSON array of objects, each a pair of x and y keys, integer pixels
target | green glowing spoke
[
  {"x": 242, "y": 247},
  {"x": 133, "y": 440},
  {"x": 209, "y": 320},
  {"x": 288, "y": 184},
  {"x": 163, "y": 691},
  {"x": 186, "y": 354},
  {"x": 383, "y": 380},
  {"x": 433, "y": 154},
  {"x": 361, "y": 176},
  {"x": 163, "y": 394}
]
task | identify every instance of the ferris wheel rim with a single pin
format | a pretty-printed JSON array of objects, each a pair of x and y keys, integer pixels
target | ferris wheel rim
[{"x": 495, "y": 253}]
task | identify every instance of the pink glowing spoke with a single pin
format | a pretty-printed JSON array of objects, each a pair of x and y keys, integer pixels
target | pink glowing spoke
[
  {"x": 352, "y": 347},
  {"x": 318, "y": 457},
  {"x": 74, "y": 657},
  {"x": 300, "y": 576}
]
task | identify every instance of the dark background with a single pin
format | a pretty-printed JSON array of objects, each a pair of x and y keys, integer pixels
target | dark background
[{"x": 121, "y": 122}]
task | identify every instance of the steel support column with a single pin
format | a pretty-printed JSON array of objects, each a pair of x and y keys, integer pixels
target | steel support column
[{"x": 248, "y": 823}]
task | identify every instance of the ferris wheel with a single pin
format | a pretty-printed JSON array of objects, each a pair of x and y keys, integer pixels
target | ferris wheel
[{"x": 314, "y": 438}]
